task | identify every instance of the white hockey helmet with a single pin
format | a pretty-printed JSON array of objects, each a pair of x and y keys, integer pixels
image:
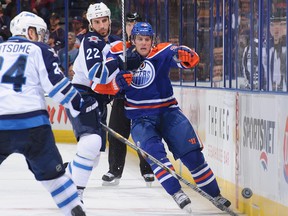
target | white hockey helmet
[
  {"x": 22, "y": 22},
  {"x": 97, "y": 10}
]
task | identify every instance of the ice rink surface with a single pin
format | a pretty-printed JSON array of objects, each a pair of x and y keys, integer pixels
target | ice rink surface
[{"x": 22, "y": 195}]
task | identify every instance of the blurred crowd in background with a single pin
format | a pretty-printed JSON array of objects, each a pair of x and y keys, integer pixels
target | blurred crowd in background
[{"x": 233, "y": 52}]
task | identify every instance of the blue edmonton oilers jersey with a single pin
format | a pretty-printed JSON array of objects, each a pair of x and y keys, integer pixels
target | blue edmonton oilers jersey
[
  {"x": 151, "y": 91},
  {"x": 28, "y": 70}
]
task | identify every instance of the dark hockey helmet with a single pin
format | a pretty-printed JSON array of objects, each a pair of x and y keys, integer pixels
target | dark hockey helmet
[{"x": 133, "y": 17}]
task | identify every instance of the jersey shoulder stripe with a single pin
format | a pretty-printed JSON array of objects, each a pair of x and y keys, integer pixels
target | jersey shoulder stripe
[
  {"x": 118, "y": 47},
  {"x": 158, "y": 49}
]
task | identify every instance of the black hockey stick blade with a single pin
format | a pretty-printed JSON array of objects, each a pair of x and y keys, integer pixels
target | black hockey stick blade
[{"x": 172, "y": 172}]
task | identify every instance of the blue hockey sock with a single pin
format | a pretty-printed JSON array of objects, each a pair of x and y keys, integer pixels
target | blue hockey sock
[
  {"x": 170, "y": 183},
  {"x": 201, "y": 172}
]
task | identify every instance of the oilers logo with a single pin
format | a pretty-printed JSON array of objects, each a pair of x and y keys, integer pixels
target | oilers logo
[{"x": 144, "y": 76}]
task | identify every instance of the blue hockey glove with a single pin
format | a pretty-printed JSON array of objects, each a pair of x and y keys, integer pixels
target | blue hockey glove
[
  {"x": 133, "y": 60},
  {"x": 123, "y": 79},
  {"x": 88, "y": 105}
]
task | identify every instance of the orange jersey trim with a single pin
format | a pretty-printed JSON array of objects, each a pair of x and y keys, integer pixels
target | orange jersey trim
[
  {"x": 158, "y": 48},
  {"x": 117, "y": 48}
]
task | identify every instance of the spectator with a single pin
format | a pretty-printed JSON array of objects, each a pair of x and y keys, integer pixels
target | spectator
[
  {"x": 42, "y": 8},
  {"x": 277, "y": 55},
  {"x": 57, "y": 33},
  {"x": 4, "y": 24},
  {"x": 79, "y": 29},
  {"x": 250, "y": 67},
  {"x": 11, "y": 8},
  {"x": 72, "y": 52}
]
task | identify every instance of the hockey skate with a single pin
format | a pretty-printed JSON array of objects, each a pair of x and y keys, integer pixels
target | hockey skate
[
  {"x": 221, "y": 201},
  {"x": 77, "y": 211},
  {"x": 80, "y": 191},
  {"x": 183, "y": 201},
  {"x": 148, "y": 178},
  {"x": 110, "y": 180}
]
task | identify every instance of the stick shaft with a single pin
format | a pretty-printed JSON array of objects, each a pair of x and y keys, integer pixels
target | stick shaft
[
  {"x": 124, "y": 34},
  {"x": 163, "y": 166}
]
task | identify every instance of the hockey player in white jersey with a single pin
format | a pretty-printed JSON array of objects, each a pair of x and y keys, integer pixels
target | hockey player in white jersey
[
  {"x": 28, "y": 69},
  {"x": 89, "y": 72}
]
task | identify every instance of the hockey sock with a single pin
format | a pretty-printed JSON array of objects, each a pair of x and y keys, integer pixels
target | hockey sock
[
  {"x": 88, "y": 153},
  {"x": 201, "y": 172},
  {"x": 64, "y": 193},
  {"x": 170, "y": 183}
]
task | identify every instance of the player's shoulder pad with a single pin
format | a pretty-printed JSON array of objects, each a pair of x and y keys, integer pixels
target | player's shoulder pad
[
  {"x": 118, "y": 47},
  {"x": 113, "y": 38},
  {"x": 46, "y": 49},
  {"x": 159, "y": 48},
  {"x": 94, "y": 40}
]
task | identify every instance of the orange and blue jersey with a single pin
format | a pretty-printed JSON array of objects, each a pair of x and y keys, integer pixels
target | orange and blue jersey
[{"x": 151, "y": 92}]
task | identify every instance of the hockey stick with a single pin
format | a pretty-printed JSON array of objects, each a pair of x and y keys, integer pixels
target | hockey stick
[
  {"x": 163, "y": 166},
  {"x": 124, "y": 33}
]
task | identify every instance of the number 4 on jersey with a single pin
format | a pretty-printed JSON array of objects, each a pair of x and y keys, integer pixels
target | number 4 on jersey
[{"x": 15, "y": 74}]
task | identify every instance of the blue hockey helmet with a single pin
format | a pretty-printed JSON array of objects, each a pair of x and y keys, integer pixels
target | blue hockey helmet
[{"x": 142, "y": 28}]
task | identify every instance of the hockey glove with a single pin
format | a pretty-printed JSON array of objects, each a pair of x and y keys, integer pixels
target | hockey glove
[
  {"x": 133, "y": 61},
  {"x": 187, "y": 57},
  {"x": 123, "y": 79},
  {"x": 88, "y": 105}
]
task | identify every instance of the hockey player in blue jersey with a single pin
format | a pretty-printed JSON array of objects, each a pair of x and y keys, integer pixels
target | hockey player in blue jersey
[
  {"x": 156, "y": 116},
  {"x": 121, "y": 124},
  {"x": 87, "y": 129},
  {"x": 28, "y": 69}
]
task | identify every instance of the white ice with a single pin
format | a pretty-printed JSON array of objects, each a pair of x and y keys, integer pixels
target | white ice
[{"x": 22, "y": 195}]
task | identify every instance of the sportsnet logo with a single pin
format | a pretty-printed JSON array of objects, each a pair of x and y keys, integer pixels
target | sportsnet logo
[
  {"x": 144, "y": 76},
  {"x": 264, "y": 160},
  {"x": 259, "y": 136}
]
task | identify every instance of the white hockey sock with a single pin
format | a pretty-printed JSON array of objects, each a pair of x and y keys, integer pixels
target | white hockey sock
[
  {"x": 88, "y": 153},
  {"x": 64, "y": 193},
  {"x": 81, "y": 170}
]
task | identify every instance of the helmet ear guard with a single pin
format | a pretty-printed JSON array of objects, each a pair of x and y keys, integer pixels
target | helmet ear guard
[{"x": 21, "y": 23}]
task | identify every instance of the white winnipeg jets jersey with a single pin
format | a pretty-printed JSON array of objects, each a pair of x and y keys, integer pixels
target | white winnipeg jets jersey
[
  {"x": 27, "y": 71},
  {"x": 88, "y": 63}
]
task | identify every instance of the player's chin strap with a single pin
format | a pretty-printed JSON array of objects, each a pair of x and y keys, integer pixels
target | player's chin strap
[{"x": 163, "y": 166}]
